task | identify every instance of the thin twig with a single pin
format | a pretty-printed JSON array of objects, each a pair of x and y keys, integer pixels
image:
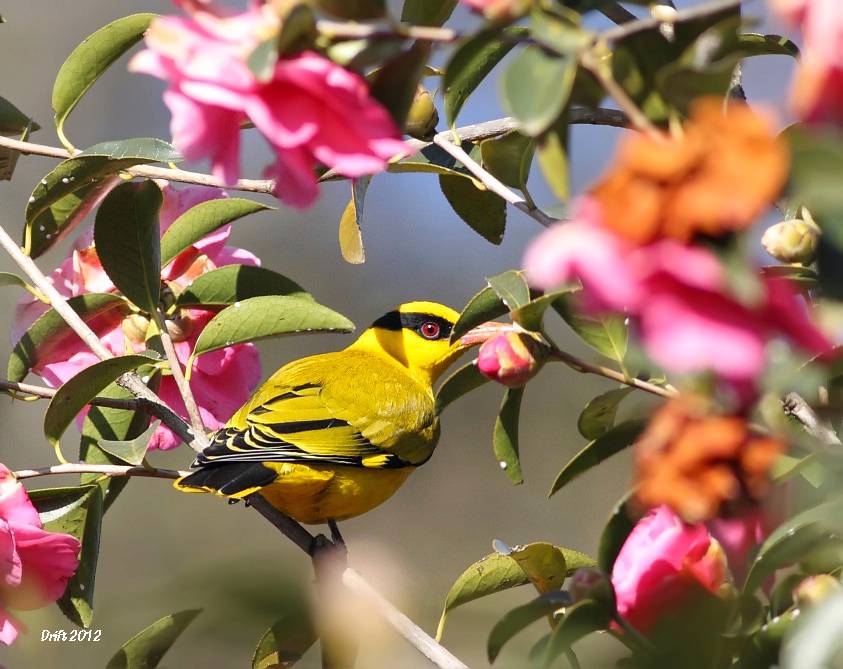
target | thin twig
[
  {"x": 130, "y": 381},
  {"x": 587, "y": 368},
  {"x": 692, "y": 13},
  {"x": 443, "y": 139},
  {"x": 106, "y": 470},
  {"x": 794, "y": 405},
  {"x": 336, "y": 29}
]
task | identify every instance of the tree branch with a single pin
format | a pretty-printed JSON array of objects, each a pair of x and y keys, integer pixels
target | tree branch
[
  {"x": 107, "y": 470},
  {"x": 336, "y": 29},
  {"x": 794, "y": 405},
  {"x": 697, "y": 12},
  {"x": 587, "y": 368}
]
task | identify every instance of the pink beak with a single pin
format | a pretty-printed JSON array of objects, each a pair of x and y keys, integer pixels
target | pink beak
[{"x": 484, "y": 332}]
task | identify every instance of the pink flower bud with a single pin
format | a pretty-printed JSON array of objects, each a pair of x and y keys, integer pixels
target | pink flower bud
[
  {"x": 511, "y": 359},
  {"x": 591, "y": 583}
]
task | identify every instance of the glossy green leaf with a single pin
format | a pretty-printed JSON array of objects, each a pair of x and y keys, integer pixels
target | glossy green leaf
[
  {"x": 598, "y": 417},
  {"x": 203, "y": 219},
  {"x": 608, "y": 444},
  {"x": 484, "y": 306},
  {"x": 60, "y": 219},
  {"x": 151, "y": 149},
  {"x": 581, "y": 619},
  {"x": 614, "y": 534},
  {"x": 432, "y": 159},
  {"x": 531, "y": 315},
  {"x": 12, "y": 120},
  {"x": 10, "y": 279},
  {"x": 511, "y": 287},
  {"x": 521, "y": 617},
  {"x": 543, "y": 563},
  {"x": 535, "y": 88},
  {"x": 816, "y": 638},
  {"x": 427, "y": 12},
  {"x": 233, "y": 283},
  {"x": 784, "y": 551},
  {"x": 75, "y": 394},
  {"x": 267, "y": 316},
  {"x": 351, "y": 221},
  {"x": 127, "y": 237},
  {"x": 461, "y": 382},
  {"x": 606, "y": 334},
  {"x": 484, "y": 211},
  {"x": 131, "y": 451},
  {"x": 471, "y": 63},
  {"x": 78, "y": 512},
  {"x": 395, "y": 83},
  {"x": 508, "y": 157},
  {"x": 283, "y": 644},
  {"x": 90, "y": 59},
  {"x": 50, "y": 330},
  {"x": 146, "y": 649},
  {"x": 353, "y": 10},
  {"x": 505, "y": 441}
]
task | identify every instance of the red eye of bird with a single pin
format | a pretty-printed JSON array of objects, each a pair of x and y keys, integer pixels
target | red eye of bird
[{"x": 430, "y": 330}]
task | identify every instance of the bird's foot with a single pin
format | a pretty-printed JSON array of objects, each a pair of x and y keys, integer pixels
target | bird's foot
[{"x": 336, "y": 537}]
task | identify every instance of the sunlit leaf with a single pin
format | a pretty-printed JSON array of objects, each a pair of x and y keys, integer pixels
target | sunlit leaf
[
  {"x": 505, "y": 442},
  {"x": 203, "y": 219},
  {"x": 127, "y": 237},
  {"x": 461, "y": 382},
  {"x": 351, "y": 221},
  {"x": 146, "y": 649},
  {"x": 484, "y": 306},
  {"x": 484, "y": 211},
  {"x": 606, "y": 333},
  {"x": 90, "y": 59},
  {"x": 508, "y": 157},
  {"x": 283, "y": 644},
  {"x": 608, "y": 444},
  {"x": 598, "y": 417},
  {"x": 131, "y": 451},
  {"x": 544, "y": 564},
  {"x": 233, "y": 283},
  {"x": 511, "y": 288},
  {"x": 553, "y": 157}
]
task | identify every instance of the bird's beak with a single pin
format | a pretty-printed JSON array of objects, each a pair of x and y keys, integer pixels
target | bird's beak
[{"x": 482, "y": 333}]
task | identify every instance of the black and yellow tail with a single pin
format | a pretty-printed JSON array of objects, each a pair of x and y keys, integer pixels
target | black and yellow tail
[{"x": 235, "y": 480}]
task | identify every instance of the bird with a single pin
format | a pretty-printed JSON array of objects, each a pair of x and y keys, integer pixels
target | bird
[{"x": 331, "y": 436}]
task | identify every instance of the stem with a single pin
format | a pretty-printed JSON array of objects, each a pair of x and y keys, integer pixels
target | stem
[
  {"x": 130, "y": 381},
  {"x": 181, "y": 382},
  {"x": 587, "y": 368},
  {"x": 690, "y": 14},
  {"x": 794, "y": 405},
  {"x": 443, "y": 139},
  {"x": 336, "y": 29},
  {"x": 107, "y": 470}
]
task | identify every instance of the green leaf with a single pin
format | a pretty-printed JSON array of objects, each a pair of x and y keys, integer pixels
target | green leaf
[
  {"x": 535, "y": 88},
  {"x": 427, "y": 12},
  {"x": 12, "y": 120},
  {"x": 131, "y": 451},
  {"x": 90, "y": 59},
  {"x": 531, "y": 315},
  {"x": 614, "y": 534},
  {"x": 543, "y": 563},
  {"x": 784, "y": 551},
  {"x": 353, "y": 10},
  {"x": 608, "y": 444},
  {"x": 283, "y": 644},
  {"x": 146, "y": 649},
  {"x": 553, "y": 157},
  {"x": 484, "y": 211},
  {"x": 511, "y": 288},
  {"x": 598, "y": 417},
  {"x": 267, "y": 316},
  {"x": 505, "y": 443},
  {"x": 461, "y": 382},
  {"x": 433, "y": 159},
  {"x": 508, "y": 157},
  {"x": 350, "y": 236},
  {"x": 471, "y": 63},
  {"x": 395, "y": 83},
  {"x": 581, "y": 619},
  {"x": 59, "y": 219},
  {"x": 484, "y": 306},
  {"x": 50, "y": 331},
  {"x": 521, "y": 617},
  {"x": 10, "y": 279},
  {"x": 73, "y": 395},
  {"x": 816, "y": 637},
  {"x": 201, "y": 220},
  {"x": 606, "y": 334},
  {"x": 78, "y": 512},
  {"x": 151, "y": 149},
  {"x": 127, "y": 237},
  {"x": 234, "y": 283}
]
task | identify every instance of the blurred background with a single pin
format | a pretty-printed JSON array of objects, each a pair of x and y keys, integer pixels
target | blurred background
[{"x": 162, "y": 551}]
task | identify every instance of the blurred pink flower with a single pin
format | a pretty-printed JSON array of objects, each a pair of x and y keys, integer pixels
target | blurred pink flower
[
  {"x": 310, "y": 110},
  {"x": 35, "y": 565},
  {"x": 677, "y": 295},
  {"x": 739, "y": 536},
  {"x": 818, "y": 91},
  {"x": 511, "y": 359},
  {"x": 663, "y": 562},
  {"x": 238, "y": 366},
  {"x": 499, "y": 10}
]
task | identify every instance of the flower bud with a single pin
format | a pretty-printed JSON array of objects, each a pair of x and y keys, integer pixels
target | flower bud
[
  {"x": 793, "y": 241},
  {"x": 591, "y": 583},
  {"x": 179, "y": 327},
  {"x": 815, "y": 589},
  {"x": 135, "y": 328},
  {"x": 423, "y": 117},
  {"x": 511, "y": 359}
]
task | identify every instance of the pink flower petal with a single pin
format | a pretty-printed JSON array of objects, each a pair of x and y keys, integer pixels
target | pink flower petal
[
  {"x": 15, "y": 506},
  {"x": 10, "y": 562},
  {"x": 9, "y": 627},
  {"x": 49, "y": 560}
]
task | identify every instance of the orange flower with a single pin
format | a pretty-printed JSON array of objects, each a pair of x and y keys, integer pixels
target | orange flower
[
  {"x": 695, "y": 462},
  {"x": 718, "y": 176}
]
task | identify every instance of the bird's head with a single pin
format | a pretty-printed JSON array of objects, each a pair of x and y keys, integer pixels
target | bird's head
[{"x": 416, "y": 334}]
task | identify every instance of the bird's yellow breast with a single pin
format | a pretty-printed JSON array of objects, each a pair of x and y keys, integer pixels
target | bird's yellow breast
[{"x": 315, "y": 493}]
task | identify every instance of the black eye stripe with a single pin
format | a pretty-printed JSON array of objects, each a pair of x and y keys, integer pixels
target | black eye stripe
[{"x": 396, "y": 320}]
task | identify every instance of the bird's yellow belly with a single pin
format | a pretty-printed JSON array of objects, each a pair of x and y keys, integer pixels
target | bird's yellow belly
[{"x": 316, "y": 493}]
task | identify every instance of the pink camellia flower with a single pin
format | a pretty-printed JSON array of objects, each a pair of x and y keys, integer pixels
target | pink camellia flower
[
  {"x": 739, "y": 536},
  {"x": 511, "y": 359},
  {"x": 499, "y": 10},
  {"x": 310, "y": 110},
  {"x": 662, "y": 563},
  {"x": 35, "y": 565},
  {"x": 221, "y": 380},
  {"x": 818, "y": 91},
  {"x": 677, "y": 295}
]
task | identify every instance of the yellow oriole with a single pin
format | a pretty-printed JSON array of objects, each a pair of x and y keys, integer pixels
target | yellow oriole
[{"x": 331, "y": 436}]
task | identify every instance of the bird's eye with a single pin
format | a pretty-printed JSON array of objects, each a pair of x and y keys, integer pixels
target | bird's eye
[{"x": 430, "y": 330}]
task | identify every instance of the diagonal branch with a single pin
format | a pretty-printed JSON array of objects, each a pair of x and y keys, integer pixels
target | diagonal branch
[
  {"x": 105, "y": 470},
  {"x": 690, "y": 14}
]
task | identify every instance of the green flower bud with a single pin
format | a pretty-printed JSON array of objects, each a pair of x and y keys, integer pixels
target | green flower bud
[{"x": 793, "y": 241}]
